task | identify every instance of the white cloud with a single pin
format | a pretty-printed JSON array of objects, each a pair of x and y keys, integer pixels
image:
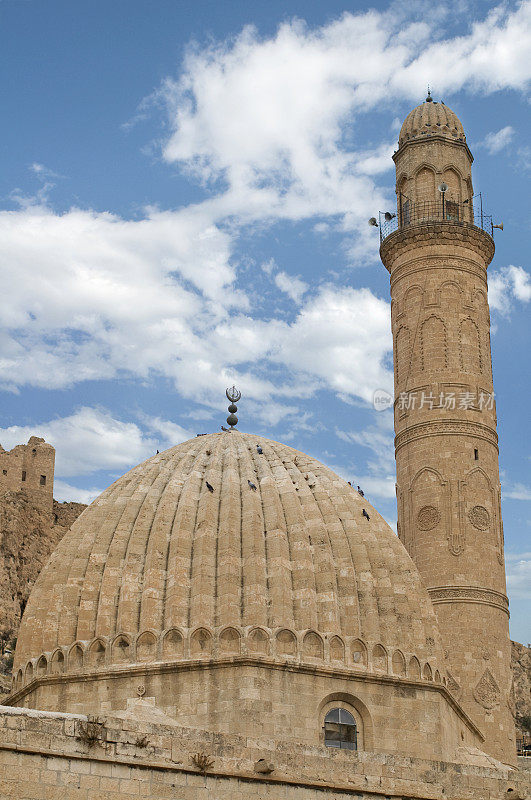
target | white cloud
[
  {"x": 155, "y": 296},
  {"x": 341, "y": 337},
  {"x": 92, "y": 439},
  {"x": 294, "y": 287},
  {"x": 91, "y": 295},
  {"x": 506, "y": 285},
  {"x": 267, "y": 116},
  {"x": 494, "y": 142},
  {"x": 380, "y": 476},
  {"x": 377, "y": 487},
  {"x": 379, "y": 441},
  {"x": 65, "y": 492},
  {"x": 273, "y": 125},
  {"x": 518, "y": 566},
  {"x": 517, "y": 492}
]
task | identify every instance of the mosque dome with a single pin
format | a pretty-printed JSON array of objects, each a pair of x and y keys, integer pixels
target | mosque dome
[
  {"x": 431, "y": 119},
  {"x": 226, "y": 543}
]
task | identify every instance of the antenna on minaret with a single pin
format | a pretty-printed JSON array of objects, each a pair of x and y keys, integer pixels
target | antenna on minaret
[
  {"x": 232, "y": 394},
  {"x": 429, "y": 98}
]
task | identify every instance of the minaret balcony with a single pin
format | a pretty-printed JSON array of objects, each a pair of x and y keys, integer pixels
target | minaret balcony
[{"x": 426, "y": 212}]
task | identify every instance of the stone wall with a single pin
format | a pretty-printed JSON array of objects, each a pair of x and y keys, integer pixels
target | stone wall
[
  {"x": 393, "y": 715},
  {"x": 29, "y": 468},
  {"x": 521, "y": 664},
  {"x": 143, "y": 753}
]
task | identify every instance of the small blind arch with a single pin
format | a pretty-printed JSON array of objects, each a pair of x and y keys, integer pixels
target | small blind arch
[{"x": 340, "y": 730}]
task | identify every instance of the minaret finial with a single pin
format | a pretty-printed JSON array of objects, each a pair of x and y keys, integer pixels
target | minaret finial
[
  {"x": 233, "y": 395},
  {"x": 429, "y": 98}
]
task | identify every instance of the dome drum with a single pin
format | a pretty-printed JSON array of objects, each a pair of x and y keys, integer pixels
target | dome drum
[{"x": 277, "y": 698}]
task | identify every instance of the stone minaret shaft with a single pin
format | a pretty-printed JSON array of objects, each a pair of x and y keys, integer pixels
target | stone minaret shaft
[{"x": 448, "y": 489}]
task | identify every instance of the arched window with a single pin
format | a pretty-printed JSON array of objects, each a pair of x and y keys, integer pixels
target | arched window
[{"x": 340, "y": 729}]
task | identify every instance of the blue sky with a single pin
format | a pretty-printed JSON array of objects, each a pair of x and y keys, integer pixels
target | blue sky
[{"x": 185, "y": 190}]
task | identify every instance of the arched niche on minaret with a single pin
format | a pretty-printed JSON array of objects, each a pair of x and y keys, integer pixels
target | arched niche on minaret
[
  {"x": 470, "y": 346},
  {"x": 425, "y": 184},
  {"x": 452, "y": 178},
  {"x": 481, "y": 510},
  {"x": 428, "y": 503},
  {"x": 433, "y": 344}
]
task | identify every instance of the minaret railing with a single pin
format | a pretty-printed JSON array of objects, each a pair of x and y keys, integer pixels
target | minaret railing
[{"x": 423, "y": 212}]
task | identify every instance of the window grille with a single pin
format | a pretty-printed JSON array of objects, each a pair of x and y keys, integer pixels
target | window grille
[{"x": 340, "y": 730}]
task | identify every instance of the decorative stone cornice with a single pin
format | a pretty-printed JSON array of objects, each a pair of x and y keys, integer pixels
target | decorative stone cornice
[
  {"x": 446, "y": 427},
  {"x": 338, "y": 652},
  {"x": 469, "y": 594},
  {"x": 439, "y": 234},
  {"x": 432, "y": 137},
  {"x": 423, "y": 264}
]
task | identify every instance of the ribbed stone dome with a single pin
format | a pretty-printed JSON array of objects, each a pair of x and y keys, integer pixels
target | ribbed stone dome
[
  {"x": 431, "y": 119},
  {"x": 214, "y": 533}
]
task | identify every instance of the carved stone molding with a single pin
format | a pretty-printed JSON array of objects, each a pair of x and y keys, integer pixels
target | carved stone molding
[
  {"x": 469, "y": 594},
  {"x": 479, "y": 517},
  {"x": 487, "y": 692},
  {"x": 436, "y": 234},
  {"x": 428, "y": 518},
  {"x": 452, "y": 685},
  {"x": 422, "y": 265},
  {"x": 446, "y": 427}
]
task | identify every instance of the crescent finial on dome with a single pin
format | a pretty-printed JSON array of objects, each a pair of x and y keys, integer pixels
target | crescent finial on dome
[{"x": 233, "y": 394}]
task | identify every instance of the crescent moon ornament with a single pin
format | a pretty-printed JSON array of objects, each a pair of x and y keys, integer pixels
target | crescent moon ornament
[{"x": 233, "y": 394}]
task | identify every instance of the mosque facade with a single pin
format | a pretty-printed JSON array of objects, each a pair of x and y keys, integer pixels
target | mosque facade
[{"x": 230, "y": 619}]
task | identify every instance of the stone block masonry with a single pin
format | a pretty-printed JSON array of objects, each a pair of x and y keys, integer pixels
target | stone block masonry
[
  {"x": 143, "y": 753},
  {"x": 448, "y": 484},
  {"x": 29, "y": 468}
]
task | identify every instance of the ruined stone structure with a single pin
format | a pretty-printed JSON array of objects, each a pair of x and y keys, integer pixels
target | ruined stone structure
[
  {"x": 448, "y": 486},
  {"x": 231, "y": 620},
  {"x": 29, "y": 468}
]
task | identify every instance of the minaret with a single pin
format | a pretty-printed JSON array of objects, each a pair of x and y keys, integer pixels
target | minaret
[{"x": 437, "y": 249}]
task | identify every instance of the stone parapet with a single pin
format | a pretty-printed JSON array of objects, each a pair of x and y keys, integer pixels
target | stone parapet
[{"x": 140, "y": 752}]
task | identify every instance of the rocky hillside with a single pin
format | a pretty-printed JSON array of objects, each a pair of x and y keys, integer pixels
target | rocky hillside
[
  {"x": 521, "y": 663},
  {"x": 27, "y": 537}
]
